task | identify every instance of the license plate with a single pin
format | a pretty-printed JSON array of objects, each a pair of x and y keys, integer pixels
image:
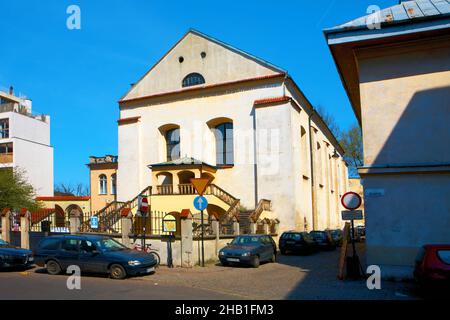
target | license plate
[
  {"x": 150, "y": 270},
  {"x": 290, "y": 242},
  {"x": 232, "y": 259},
  {"x": 30, "y": 259}
]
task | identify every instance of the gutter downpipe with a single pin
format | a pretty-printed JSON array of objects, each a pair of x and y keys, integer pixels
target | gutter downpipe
[{"x": 313, "y": 189}]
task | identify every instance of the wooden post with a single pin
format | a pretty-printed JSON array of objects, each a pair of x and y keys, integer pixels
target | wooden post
[{"x": 343, "y": 256}]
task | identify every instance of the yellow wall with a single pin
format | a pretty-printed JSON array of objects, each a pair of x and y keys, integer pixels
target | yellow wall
[{"x": 99, "y": 201}]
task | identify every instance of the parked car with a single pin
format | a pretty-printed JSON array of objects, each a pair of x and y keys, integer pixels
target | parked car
[
  {"x": 433, "y": 266},
  {"x": 323, "y": 240},
  {"x": 249, "y": 250},
  {"x": 13, "y": 257},
  {"x": 95, "y": 254},
  {"x": 337, "y": 237},
  {"x": 297, "y": 242},
  {"x": 360, "y": 233}
]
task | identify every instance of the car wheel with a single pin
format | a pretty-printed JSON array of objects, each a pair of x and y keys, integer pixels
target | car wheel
[
  {"x": 116, "y": 271},
  {"x": 274, "y": 258},
  {"x": 53, "y": 267},
  {"x": 256, "y": 262},
  {"x": 157, "y": 258}
]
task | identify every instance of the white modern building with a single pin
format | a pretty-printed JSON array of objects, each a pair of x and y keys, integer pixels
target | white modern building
[{"x": 25, "y": 142}]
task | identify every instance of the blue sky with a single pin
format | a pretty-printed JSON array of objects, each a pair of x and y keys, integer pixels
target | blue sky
[{"x": 77, "y": 76}]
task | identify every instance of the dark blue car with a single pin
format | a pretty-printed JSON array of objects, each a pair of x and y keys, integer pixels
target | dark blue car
[
  {"x": 250, "y": 250},
  {"x": 12, "y": 257},
  {"x": 95, "y": 254}
]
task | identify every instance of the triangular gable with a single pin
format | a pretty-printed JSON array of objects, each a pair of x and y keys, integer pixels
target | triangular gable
[{"x": 223, "y": 63}]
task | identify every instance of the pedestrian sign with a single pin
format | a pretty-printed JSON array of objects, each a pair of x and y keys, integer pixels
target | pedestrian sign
[
  {"x": 200, "y": 203},
  {"x": 94, "y": 222}
]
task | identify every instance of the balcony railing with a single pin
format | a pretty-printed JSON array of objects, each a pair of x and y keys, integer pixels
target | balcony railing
[
  {"x": 15, "y": 107},
  {"x": 6, "y": 158},
  {"x": 186, "y": 188}
]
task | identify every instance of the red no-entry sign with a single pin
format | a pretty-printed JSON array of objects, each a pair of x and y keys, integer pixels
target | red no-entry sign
[
  {"x": 351, "y": 200},
  {"x": 143, "y": 205}
]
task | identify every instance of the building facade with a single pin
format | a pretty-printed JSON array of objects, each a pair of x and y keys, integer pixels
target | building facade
[
  {"x": 209, "y": 109},
  {"x": 25, "y": 142},
  {"x": 103, "y": 181},
  {"x": 397, "y": 77}
]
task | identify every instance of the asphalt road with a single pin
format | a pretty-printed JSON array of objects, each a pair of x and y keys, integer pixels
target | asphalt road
[
  {"x": 32, "y": 285},
  {"x": 293, "y": 277}
]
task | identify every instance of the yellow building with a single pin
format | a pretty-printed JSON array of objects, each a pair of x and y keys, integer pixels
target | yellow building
[
  {"x": 356, "y": 186},
  {"x": 102, "y": 179},
  {"x": 395, "y": 67}
]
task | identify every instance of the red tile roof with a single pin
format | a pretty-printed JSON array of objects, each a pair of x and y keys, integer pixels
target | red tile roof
[
  {"x": 185, "y": 213},
  {"x": 272, "y": 100},
  {"x": 204, "y": 87},
  {"x": 128, "y": 120},
  {"x": 125, "y": 212},
  {"x": 41, "y": 214}
]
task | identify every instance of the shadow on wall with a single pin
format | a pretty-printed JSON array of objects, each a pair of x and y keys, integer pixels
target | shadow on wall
[{"x": 422, "y": 133}]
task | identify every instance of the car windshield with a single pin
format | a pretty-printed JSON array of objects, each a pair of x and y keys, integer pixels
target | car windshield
[
  {"x": 319, "y": 235},
  {"x": 246, "y": 240},
  {"x": 110, "y": 245}
]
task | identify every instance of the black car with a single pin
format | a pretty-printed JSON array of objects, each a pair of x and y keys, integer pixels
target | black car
[
  {"x": 249, "y": 250},
  {"x": 297, "y": 242},
  {"x": 13, "y": 257},
  {"x": 337, "y": 237},
  {"x": 323, "y": 239},
  {"x": 95, "y": 254}
]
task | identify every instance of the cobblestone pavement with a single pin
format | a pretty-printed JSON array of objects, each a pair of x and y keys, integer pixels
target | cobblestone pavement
[{"x": 292, "y": 277}]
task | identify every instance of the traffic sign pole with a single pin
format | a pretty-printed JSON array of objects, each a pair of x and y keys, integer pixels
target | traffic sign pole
[
  {"x": 352, "y": 201},
  {"x": 203, "y": 240}
]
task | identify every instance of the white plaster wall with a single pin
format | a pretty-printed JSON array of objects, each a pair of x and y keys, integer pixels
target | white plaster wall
[
  {"x": 28, "y": 128},
  {"x": 276, "y": 171},
  {"x": 414, "y": 211},
  {"x": 37, "y": 161},
  {"x": 129, "y": 167},
  {"x": 192, "y": 114}
]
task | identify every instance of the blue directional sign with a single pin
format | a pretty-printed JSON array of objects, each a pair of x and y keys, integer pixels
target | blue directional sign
[
  {"x": 94, "y": 222},
  {"x": 200, "y": 203}
]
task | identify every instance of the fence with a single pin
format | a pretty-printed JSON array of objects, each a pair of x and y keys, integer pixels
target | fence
[
  {"x": 107, "y": 222},
  {"x": 43, "y": 220},
  {"x": 153, "y": 223}
]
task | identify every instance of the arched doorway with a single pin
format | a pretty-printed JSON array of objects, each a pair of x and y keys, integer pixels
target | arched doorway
[
  {"x": 165, "y": 183},
  {"x": 60, "y": 217},
  {"x": 74, "y": 211},
  {"x": 185, "y": 186}
]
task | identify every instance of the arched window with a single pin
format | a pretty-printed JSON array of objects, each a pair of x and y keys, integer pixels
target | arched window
[
  {"x": 193, "y": 79},
  {"x": 173, "y": 144},
  {"x": 224, "y": 144},
  {"x": 113, "y": 183},
  {"x": 103, "y": 187}
]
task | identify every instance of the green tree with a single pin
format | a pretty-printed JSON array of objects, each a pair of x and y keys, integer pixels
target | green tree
[
  {"x": 15, "y": 191},
  {"x": 351, "y": 142}
]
